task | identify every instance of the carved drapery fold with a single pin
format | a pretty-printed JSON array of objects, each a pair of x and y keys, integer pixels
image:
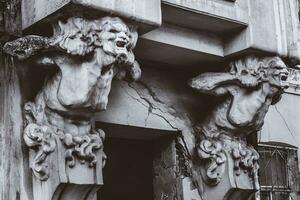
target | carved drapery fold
[
  {"x": 246, "y": 91},
  {"x": 85, "y": 55}
]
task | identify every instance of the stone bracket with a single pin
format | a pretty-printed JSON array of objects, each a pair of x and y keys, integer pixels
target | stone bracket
[
  {"x": 65, "y": 151},
  {"x": 228, "y": 164}
]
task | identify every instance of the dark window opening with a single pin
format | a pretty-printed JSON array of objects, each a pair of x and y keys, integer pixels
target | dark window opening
[
  {"x": 128, "y": 171},
  {"x": 135, "y": 160},
  {"x": 278, "y": 172}
]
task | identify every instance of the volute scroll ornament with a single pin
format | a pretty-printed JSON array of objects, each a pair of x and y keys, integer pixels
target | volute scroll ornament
[
  {"x": 246, "y": 91},
  {"x": 86, "y": 55}
]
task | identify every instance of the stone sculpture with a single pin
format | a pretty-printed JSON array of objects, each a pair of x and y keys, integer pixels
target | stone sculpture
[
  {"x": 86, "y": 54},
  {"x": 246, "y": 90}
]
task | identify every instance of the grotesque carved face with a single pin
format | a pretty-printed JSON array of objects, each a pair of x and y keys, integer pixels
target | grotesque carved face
[
  {"x": 251, "y": 71},
  {"x": 85, "y": 80},
  {"x": 79, "y": 36},
  {"x": 277, "y": 73},
  {"x": 117, "y": 40}
]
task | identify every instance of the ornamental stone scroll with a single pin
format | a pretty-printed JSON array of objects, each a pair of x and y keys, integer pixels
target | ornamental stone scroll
[
  {"x": 246, "y": 90},
  {"x": 66, "y": 152}
]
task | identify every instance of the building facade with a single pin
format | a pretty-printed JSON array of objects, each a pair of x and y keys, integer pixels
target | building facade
[{"x": 149, "y": 99}]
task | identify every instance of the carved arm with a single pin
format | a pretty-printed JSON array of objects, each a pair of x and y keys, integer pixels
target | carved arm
[
  {"x": 27, "y": 46},
  {"x": 213, "y": 83}
]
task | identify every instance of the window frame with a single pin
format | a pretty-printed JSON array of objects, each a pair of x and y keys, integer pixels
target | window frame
[{"x": 269, "y": 190}]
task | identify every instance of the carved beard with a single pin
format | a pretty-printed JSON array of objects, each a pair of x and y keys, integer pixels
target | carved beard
[{"x": 116, "y": 52}]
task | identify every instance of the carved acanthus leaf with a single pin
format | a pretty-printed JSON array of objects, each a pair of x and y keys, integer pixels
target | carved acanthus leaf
[
  {"x": 41, "y": 138},
  {"x": 83, "y": 147},
  {"x": 212, "y": 150},
  {"x": 216, "y": 152}
]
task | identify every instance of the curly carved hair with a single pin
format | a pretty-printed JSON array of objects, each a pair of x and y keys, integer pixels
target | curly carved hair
[
  {"x": 254, "y": 70},
  {"x": 86, "y": 34}
]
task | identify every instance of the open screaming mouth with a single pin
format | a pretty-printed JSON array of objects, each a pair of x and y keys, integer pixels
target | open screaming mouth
[
  {"x": 121, "y": 43},
  {"x": 283, "y": 77},
  {"x": 283, "y": 80}
]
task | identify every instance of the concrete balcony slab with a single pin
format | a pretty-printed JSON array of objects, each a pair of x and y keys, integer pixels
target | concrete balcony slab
[
  {"x": 207, "y": 15},
  {"x": 146, "y": 13},
  {"x": 178, "y": 46}
]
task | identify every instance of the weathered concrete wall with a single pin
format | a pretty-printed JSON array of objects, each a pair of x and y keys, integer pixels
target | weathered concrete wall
[
  {"x": 282, "y": 127},
  {"x": 282, "y": 122},
  {"x": 163, "y": 100},
  {"x": 11, "y": 16},
  {"x": 160, "y": 100},
  {"x": 14, "y": 167},
  {"x": 269, "y": 26}
]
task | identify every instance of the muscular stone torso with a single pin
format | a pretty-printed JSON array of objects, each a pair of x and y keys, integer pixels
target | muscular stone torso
[
  {"x": 71, "y": 96},
  {"x": 240, "y": 114}
]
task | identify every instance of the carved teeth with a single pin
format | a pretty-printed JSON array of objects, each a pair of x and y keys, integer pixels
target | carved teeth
[{"x": 121, "y": 43}]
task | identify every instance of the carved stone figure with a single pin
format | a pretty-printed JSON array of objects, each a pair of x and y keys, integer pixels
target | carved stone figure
[
  {"x": 86, "y": 55},
  {"x": 247, "y": 90}
]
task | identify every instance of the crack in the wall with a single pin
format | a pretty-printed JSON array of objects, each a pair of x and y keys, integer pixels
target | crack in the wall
[
  {"x": 151, "y": 92},
  {"x": 158, "y": 107},
  {"x": 180, "y": 123},
  {"x": 155, "y": 97},
  {"x": 149, "y": 107},
  {"x": 176, "y": 120},
  {"x": 285, "y": 122},
  {"x": 154, "y": 107}
]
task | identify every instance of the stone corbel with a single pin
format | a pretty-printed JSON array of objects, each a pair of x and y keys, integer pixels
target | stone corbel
[
  {"x": 229, "y": 165},
  {"x": 66, "y": 152}
]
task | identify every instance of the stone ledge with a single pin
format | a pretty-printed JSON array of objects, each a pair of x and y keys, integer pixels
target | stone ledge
[
  {"x": 206, "y": 15},
  {"x": 145, "y": 13}
]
